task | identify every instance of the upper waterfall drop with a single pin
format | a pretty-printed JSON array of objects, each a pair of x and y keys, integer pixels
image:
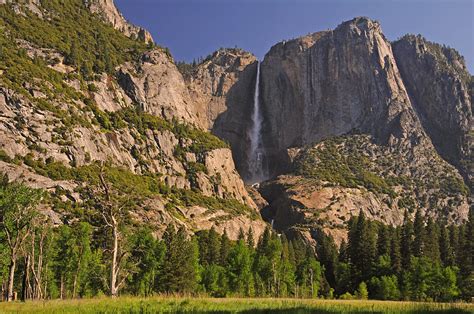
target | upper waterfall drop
[{"x": 255, "y": 157}]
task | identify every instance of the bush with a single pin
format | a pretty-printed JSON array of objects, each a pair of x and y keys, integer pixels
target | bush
[{"x": 362, "y": 292}]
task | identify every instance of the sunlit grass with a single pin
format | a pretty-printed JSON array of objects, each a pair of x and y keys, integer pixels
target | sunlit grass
[{"x": 229, "y": 305}]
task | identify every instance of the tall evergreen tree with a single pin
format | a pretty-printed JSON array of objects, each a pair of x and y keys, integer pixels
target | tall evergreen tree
[
  {"x": 466, "y": 256},
  {"x": 431, "y": 243},
  {"x": 180, "y": 268},
  {"x": 395, "y": 254},
  {"x": 224, "y": 249},
  {"x": 406, "y": 241},
  {"x": 250, "y": 238},
  {"x": 445, "y": 249},
  {"x": 419, "y": 235},
  {"x": 383, "y": 241}
]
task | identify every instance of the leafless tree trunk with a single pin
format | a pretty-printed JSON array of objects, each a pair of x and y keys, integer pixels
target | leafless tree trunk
[
  {"x": 111, "y": 218},
  {"x": 11, "y": 276}
]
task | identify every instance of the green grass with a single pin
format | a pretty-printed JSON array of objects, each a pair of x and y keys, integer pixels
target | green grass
[{"x": 229, "y": 305}]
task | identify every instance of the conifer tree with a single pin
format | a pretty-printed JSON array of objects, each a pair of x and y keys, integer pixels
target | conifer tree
[
  {"x": 419, "y": 235},
  {"x": 383, "y": 241},
  {"x": 180, "y": 267},
  {"x": 466, "y": 256},
  {"x": 224, "y": 249},
  {"x": 431, "y": 245},
  {"x": 445, "y": 249},
  {"x": 395, "y": 255},
  {"x": 406, "y": 241},
  {"x": 250, "y": 238}
]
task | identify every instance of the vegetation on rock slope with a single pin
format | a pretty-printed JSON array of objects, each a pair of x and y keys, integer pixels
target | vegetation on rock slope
[
  {"x": 354, "y": 161},
  {"x": 89, "y": 50}
]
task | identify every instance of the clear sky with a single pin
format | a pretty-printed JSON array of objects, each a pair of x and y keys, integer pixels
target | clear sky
[{"x": 194, "y": 28}]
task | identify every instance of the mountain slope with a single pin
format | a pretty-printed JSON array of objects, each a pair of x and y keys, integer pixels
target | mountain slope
[{"x": 67, "y": 112}]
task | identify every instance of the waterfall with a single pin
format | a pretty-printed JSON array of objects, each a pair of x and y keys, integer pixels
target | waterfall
[{"x": 255, "y": 158}]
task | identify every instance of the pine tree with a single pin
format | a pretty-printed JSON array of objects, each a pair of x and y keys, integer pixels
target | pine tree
[
  {"x": 343, "y": 252},
  {"x": 446, "y": 251},
  {"x": 466, "y": 257},
  {"x": 180, "y": 268},
  {"x": 250, "y": 238},
  {"x": 454, "y": 242},
  {"x": 286, "y": 272},
  {"x": 241, "y": 235},
  {"x": 383, "y": 241},
  {"x": 363, "y": 249},
  {"x": 419, "y": 235},
  {"x": 406, "y": 241},
  {"x": 147, "y": 256},
  {"x": 431, "y": 243},
  {"x": 395, "y": 255},
  {"x": 327, "y": 253},
  {"x": 214, "y": 247},
  {"x": 224, "y": 249}
]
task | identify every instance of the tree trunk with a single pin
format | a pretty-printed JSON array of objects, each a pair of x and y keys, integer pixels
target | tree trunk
[
  {"x": 11, "y": 277},
  {"x": 38, "y": 275},
  {"x": 113, "y": 272},
  {"x": 61, "y": 293},
  {"x": 76, "y": 275},
  {"x": 26, "y": 290}
]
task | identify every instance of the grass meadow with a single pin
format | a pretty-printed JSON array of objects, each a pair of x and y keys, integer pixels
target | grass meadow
[{"x": 229, "y": 305}]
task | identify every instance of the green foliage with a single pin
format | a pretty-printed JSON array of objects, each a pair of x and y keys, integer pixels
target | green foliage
[
  {"x": 239, "y": 267},
  {"x": 73, "y": 259},
  {"x": 92, "y": 48},
  {"x": 327, "y": 163},
  {"x": 423, "y": 275},
  {"x": 385, "y": 288},
  {"x": 201, "y": 141},
  {"x": 362, "y": 292},
  {"x": 180, "y": 271}
]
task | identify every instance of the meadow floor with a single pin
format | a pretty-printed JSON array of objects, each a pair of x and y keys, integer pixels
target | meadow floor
[{"x": 229, "y": 305}]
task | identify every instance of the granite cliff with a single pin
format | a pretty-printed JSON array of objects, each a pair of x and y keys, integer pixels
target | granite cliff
[{"x": 350, "y": 121}]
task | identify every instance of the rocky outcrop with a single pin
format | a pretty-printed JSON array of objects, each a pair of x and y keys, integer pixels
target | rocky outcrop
[
  {"x": 30, "y": 5},
  {"x": 156, "y": 85},
  {"x": 337, "y": 178},
  {"x": 211, "y": 81},
  {"x": 108, "y": 11},
  {"x": 438, "y": 83}
]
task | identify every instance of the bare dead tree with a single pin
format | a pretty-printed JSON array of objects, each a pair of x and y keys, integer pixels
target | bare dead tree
[{"x": 113, "y": 213}]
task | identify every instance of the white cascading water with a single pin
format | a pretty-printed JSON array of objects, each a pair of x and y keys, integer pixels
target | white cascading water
[{"x": 255, "y": 152}]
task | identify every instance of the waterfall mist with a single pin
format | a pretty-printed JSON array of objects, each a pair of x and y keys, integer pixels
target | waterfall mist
[{"x": 255, "y": 156}]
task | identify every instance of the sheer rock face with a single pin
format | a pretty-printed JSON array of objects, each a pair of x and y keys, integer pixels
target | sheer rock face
[
  {"x": 158, "y": 87},
  {"x": 331, "y": 83},
  {"x": 108, "y": 11},
  {"x": 440, "y": 90},
  {"x": 210, "y": 84}
]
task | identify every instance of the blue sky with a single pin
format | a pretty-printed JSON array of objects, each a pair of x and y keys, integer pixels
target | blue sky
[{"x": 194, "y": 28}]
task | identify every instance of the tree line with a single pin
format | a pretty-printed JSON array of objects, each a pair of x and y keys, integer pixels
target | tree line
[{"x": 109, "y": 254}]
